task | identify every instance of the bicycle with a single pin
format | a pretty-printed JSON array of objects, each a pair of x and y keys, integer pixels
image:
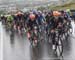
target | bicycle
[{"x": 58, "y": 42}]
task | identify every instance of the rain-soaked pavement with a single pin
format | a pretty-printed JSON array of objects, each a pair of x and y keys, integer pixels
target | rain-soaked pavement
[
  {"x": 0, "y": 40},
  {"x": 19, "y": 49}
]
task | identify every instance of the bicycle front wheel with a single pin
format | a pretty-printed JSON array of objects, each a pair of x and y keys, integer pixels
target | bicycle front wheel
[{"x": 59, "y": 47}]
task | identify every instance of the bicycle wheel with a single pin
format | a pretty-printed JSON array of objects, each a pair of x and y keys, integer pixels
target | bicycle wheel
[
  {"x": 70, "y": 30},
  {"x": 59, "y": 47}
]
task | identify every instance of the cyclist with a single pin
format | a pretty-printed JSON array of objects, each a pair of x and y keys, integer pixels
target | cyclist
[
  {"x": 10, "y": 22},
  {"x": 3, "y": 19},
  {"x": 56, "y": 23},
  {"x": 20, "y": 20},
  {"x": 9, "y": 19},
  {"x": 30, "y": 22},
  {"x": 49, "y": 21}
]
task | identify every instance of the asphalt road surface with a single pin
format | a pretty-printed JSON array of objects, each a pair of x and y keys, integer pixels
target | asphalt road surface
[
  {"x": 0, "y": 40},
  {"x": 19, "y": 48}
]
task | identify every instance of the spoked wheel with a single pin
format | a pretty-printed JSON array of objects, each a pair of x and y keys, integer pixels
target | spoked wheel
[
  {"x": 50, "y": 37},
  {"x": 59, "y": 47},
  {"x": 66, "y": 35},
  {"x": 3, "y": 22},
  {"x": 8, "y": 27},
  {"x": 70, "y": 31},
  {"x": 12, "y": 34},
  {"x": 33, "y": 43}
]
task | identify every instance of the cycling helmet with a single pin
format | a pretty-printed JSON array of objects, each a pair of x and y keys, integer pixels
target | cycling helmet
[{"x": 32, "y": 16}]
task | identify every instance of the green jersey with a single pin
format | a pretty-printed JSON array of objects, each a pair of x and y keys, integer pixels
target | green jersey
[{"x": 9, "y": 18}]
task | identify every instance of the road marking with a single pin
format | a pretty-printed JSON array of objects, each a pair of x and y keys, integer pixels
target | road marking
[{"x": 1, "y": 38}]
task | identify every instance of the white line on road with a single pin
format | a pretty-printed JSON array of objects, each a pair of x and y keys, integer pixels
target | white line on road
[{"x": 1, "y": 33}]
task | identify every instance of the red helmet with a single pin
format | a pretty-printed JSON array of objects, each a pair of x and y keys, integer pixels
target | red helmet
[{"x": 32, "y": 16}]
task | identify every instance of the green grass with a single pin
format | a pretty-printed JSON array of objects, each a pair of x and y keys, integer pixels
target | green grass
[
  {"x": 70, "y": 5},
  {"x": 66, "y": 6}
]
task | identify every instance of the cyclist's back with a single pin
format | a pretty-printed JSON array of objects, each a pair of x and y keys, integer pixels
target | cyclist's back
[{"x": 9, "y": 18}]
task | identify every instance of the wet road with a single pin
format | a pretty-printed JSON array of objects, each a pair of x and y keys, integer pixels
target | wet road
[
  {"x": 0, "y": 41},
  {"x": 20, "y": 49}
]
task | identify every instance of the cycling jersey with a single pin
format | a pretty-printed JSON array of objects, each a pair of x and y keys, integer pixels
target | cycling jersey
[
  {"x": 9, "y": 18},
  {"x": 30, "y": 23}
]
